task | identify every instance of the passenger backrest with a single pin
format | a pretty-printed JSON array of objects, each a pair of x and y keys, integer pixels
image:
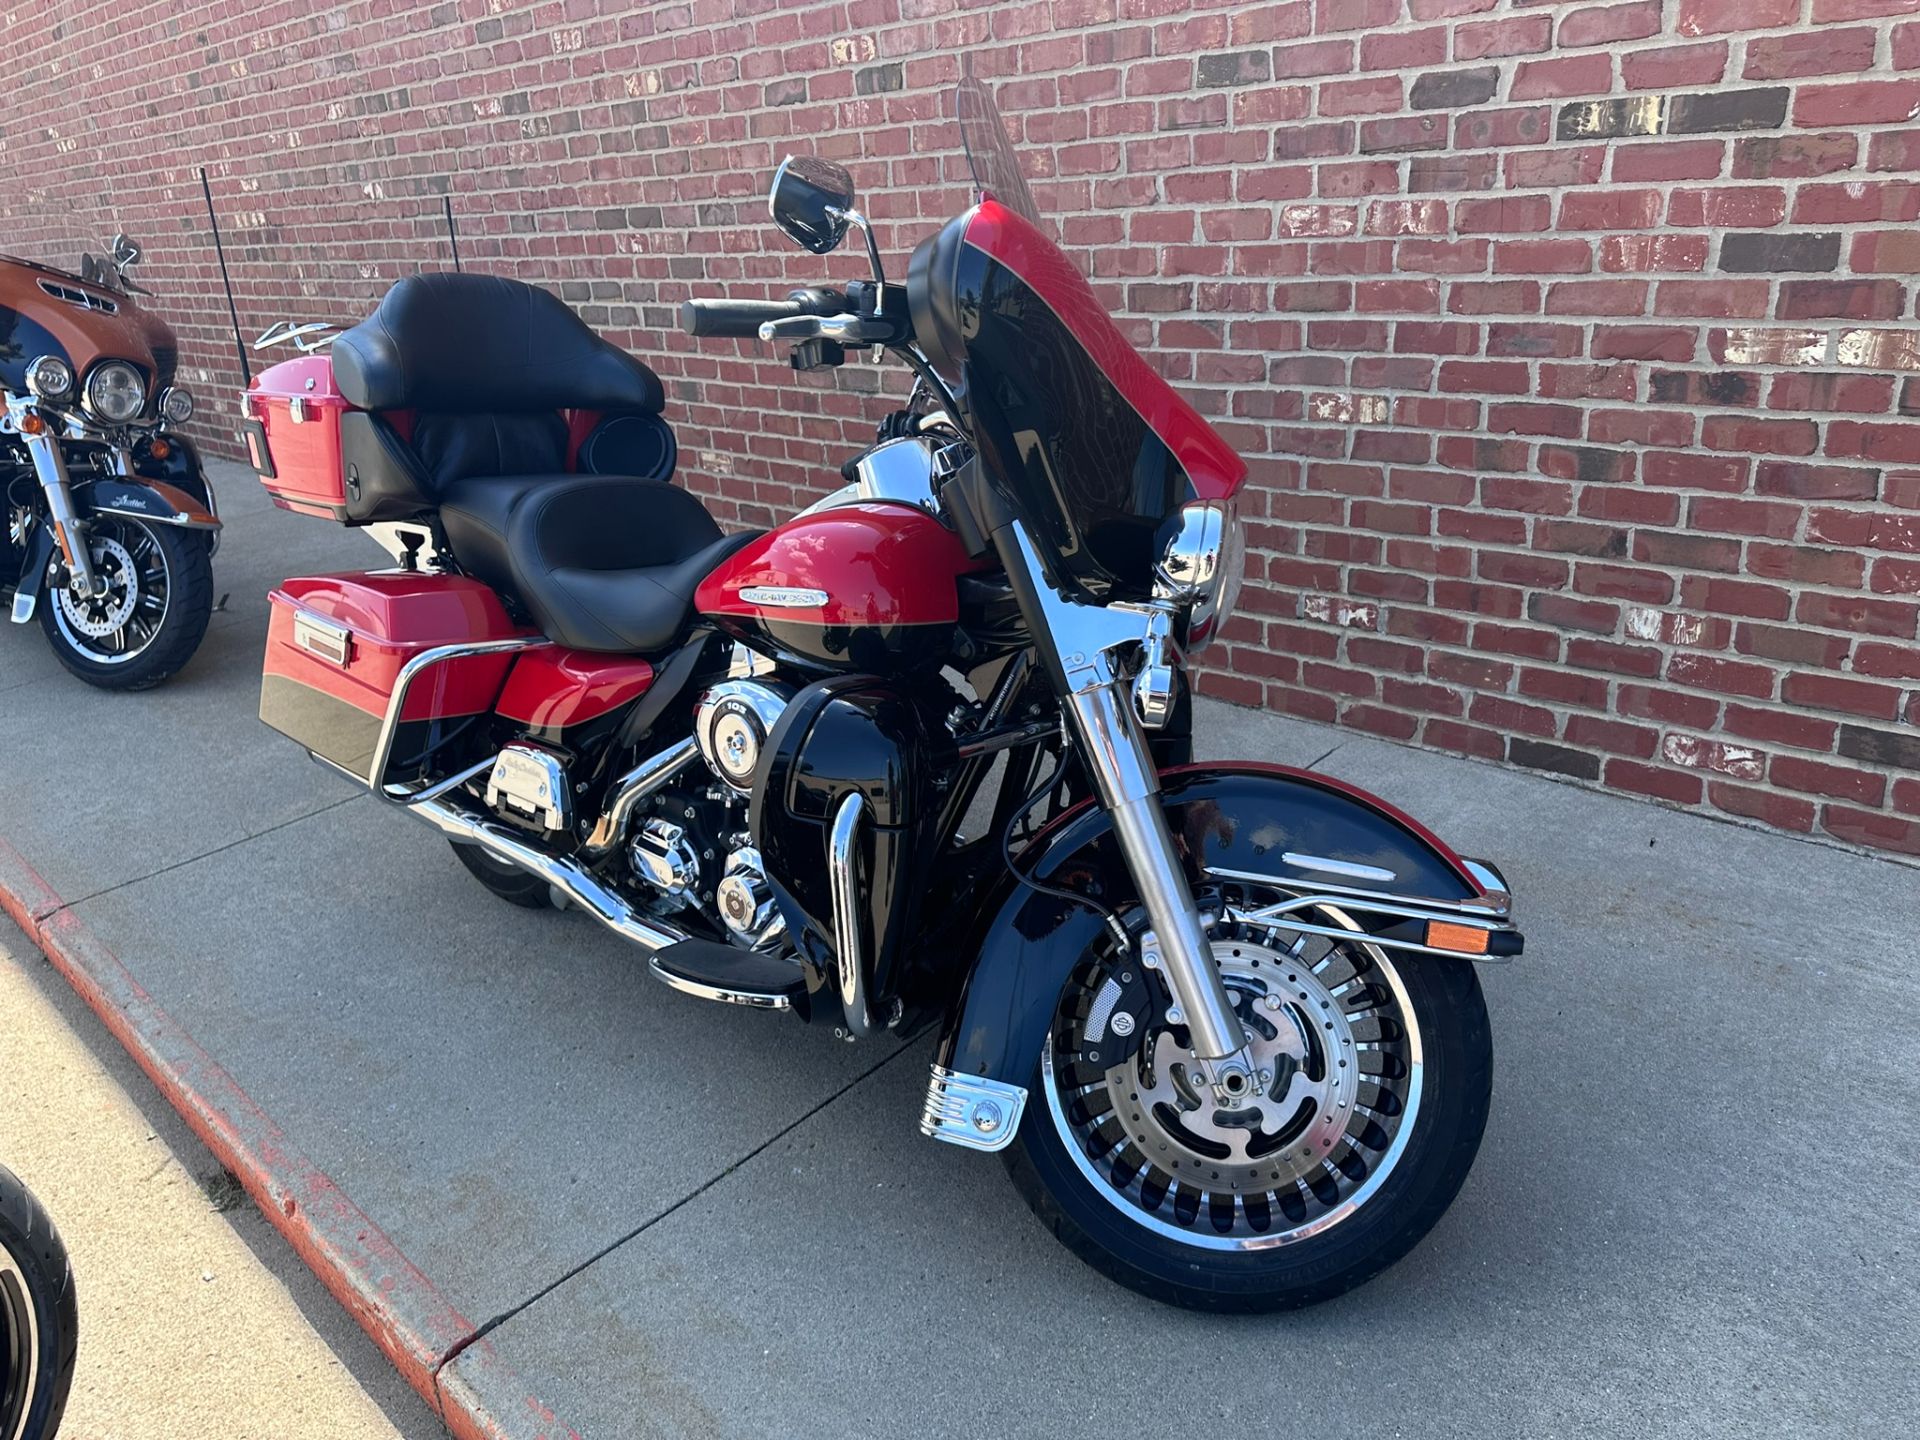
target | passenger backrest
[{"x": 486, "y": 364}]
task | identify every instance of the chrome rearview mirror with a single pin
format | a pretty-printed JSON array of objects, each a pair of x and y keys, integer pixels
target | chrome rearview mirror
[
  {"x": 812, "y": 201},
  {"x": 126, "y": 253}
]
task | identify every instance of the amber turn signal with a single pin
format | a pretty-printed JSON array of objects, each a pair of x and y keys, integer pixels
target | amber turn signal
[
  {"x": 158, "y": 448},
  {"x": 32, "y": 424},
  {"x": 1462, "y": 939}
]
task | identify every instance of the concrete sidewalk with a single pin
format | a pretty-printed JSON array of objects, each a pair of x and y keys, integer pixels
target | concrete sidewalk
[
  {"x": 184, "y": 1328},
  {"x": 1693, "y": 1213}
]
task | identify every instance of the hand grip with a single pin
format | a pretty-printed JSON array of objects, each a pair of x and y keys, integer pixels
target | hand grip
[{"x": 734, "y": 317}]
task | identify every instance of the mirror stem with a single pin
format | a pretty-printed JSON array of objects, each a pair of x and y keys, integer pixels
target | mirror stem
[{"x": 854, "y": 217}]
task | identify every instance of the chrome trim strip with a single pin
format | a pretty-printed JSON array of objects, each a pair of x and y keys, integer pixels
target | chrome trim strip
[
  {"x": 784, "y": 597},
  {"x": 1330, "y": 866},
  {"x": 629, "y": 790},
  {"x": 971, "y": 1111},
  {"x": 440, "y": 787},
  {"x": 409, "y": 672},
  {"x": 694, "y": 988},
  {"x": 178, "y": 517},
  {"x": 842, "y": 876},
  {"x": 1490, "y": 909},
  {"x": 323, "y": 638}
]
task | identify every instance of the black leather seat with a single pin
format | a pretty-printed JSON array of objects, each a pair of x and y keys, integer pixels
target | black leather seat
[
  {"x": 599, "y": 563},
  {"x": 486, "y": 365}
]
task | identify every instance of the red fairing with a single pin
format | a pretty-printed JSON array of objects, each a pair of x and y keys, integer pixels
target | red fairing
[
  {"x": 392, "y": 617},
  {"x": 878, "y": 564},
  {"x": 1211, "y": 464},
  {"x": 554, "y": 688}
]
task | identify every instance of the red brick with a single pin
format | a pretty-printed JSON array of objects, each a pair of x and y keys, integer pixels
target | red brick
[
  {"x": 1714, "y": 17},
  {"x": 1861, "y": 102},
  {"x": 1669, "y": 160},
  {"x": 1781, "y": 727},
  {"x": 1837, "y": 692},
  {"x": 1739, "y": 207},
  {"x": 1610, "y": 210},
  {"x": 1611, "y": 24},
  {"x": 1655, "y": 781},
  {"x": 1792, "y": 157},
  {"x": 1812, "y": 52},
  {"x": 1759, "y": 437},
  {"x": 1781, "y": 811},
  {"x": 1645, "y": 342},
  {"x": 1570, "y": 75},
  {"x": 1493, "y": 39},
  {"x": 1674, "y": 66},
  {"x": 1817, "y": 777},
  {"x": 1881, "y": 832},
  {"x": 1614, "y": 736}
]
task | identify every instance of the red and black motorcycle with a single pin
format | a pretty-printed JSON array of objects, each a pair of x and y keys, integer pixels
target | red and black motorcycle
[{"x": 918, "y": 757}]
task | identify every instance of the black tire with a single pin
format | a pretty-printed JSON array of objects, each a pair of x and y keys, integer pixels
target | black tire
[
  {"x": 1457, "y": 1087},
  {"x": 188, "y": 604},
  {"x": 509, "y": 882},
  {"x": 36, "y": 1283}
]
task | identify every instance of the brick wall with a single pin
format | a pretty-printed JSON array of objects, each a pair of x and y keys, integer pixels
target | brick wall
[{"x": 1573, "y": 345}]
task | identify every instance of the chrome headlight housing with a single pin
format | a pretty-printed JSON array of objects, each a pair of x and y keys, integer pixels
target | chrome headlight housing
[
  {"x": 51, "y": 379},
  {"x": 116, "y": 392},
  {"x": 176, "y": 405},
  {"x": 1201, "y": 567}
]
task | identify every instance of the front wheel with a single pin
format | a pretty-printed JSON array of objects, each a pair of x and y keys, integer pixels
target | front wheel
[
  {"x": 39, "y": 1333},
  {"x": 152, "y": 614},
  {"x": 1375, "y": 1073}
]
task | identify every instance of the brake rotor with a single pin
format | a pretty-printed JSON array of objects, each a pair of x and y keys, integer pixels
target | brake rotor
[
  {"x": 1305, "y": 1072},
  {"x": 98, "y": 616}
]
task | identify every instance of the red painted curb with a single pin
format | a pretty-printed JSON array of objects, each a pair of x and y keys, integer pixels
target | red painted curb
[{"x": 416, "y": 1326}]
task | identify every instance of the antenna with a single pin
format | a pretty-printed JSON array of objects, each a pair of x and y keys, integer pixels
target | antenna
[
  {"x": 226, "y": 280},
  {"x": 453, "y": 236}
]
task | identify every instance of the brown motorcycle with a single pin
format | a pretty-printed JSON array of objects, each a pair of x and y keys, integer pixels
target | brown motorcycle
[{"x": 107, "y": 522}]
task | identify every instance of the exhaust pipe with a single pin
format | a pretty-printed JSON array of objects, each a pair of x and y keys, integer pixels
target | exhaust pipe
[{"x": 566, "y": 876}]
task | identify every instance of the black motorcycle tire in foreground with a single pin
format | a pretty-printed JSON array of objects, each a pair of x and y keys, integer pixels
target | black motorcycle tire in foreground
[
  {"x": 170, "y": 606},
  {"x": 1294, "y": 1273},
  {"x": 39, "y": 1320}
]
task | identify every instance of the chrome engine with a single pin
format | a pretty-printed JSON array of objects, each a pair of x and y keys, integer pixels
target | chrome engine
[
  {"x": 745, "y": 901},
  {"x": 664, "y": 857},
  {"x": 731, "y": 722}
]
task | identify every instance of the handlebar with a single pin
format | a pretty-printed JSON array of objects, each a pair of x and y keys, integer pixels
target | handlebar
[
  {"x": 734, "y": 317},
  {"x": 743, "y": 318}
]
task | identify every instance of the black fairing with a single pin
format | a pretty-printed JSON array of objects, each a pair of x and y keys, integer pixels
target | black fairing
[
  {"x": 1026, "y": 943},
  {"x": 843, "y": 736},
  {"x": 1063, "y": 447},
  {"x": 23, "y": 340}
]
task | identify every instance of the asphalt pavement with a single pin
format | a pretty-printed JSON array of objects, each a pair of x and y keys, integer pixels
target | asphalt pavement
[{"x": 1693, "y": 1213}]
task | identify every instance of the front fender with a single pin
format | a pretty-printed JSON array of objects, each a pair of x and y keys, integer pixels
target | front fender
[
  {"x": 1266, "y": 820},
  {"x": 141, "y": 499}
]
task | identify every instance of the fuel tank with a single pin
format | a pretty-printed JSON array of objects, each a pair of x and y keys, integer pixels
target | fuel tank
[{"x": 868, "y": 586}]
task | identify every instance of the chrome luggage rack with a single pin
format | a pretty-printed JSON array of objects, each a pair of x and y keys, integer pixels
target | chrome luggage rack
[{"x": 306, "y": 336}]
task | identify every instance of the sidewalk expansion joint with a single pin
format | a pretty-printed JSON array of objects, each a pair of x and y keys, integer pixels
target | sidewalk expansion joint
[
  {"x": 195, "y": 859},
  {"x": 694, "y": 1194}
]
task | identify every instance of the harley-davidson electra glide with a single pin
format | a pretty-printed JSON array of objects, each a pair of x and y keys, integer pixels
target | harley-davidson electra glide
[
  {"x": 107, "y": 523},
  {"x": 920, "y": 757}
]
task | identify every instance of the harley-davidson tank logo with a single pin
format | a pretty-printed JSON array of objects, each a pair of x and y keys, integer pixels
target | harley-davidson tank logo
[{"x": 784, "y": 597}]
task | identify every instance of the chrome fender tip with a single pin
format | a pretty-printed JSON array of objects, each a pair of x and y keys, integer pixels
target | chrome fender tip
[{"x": 971, "y": 1111}]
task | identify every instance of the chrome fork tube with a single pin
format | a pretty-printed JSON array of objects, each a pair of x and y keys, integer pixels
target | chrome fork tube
[
  {"x": 50, "y": 469},
  {"x": 1129, "y": 787},
  {"x": 1084, "y": 640}
]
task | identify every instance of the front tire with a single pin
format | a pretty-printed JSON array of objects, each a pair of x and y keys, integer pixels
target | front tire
[
  {"x": 153, "y": 616},
  {"x": 39, "y": 1320},
  {"x": 1312, "y": 1186}
]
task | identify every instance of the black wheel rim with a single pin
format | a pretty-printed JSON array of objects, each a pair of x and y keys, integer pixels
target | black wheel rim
[{"x": 120, "y": 626}]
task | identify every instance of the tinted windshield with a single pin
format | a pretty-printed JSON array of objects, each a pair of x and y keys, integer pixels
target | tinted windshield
[{"x": 995, "y": 163}]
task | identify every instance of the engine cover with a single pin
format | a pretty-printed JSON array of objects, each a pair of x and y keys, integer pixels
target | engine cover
[{"x": 731, "y": 722}]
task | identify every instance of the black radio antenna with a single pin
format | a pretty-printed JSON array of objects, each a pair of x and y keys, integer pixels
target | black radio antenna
[
  {"x": 226, "y": 280},
  {"x": 453, "y": 236}
]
